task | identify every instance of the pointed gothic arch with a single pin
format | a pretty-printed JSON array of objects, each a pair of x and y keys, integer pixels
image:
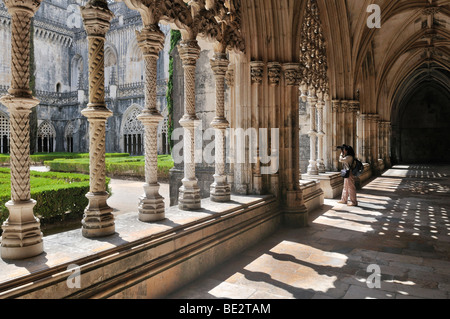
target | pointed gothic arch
[
  {"x": 4, "y": 133},
  {"x": 132, "y": 131},
  {"x": 68, "y": 137},
  {"x": 46, "y": 135},
  {"x": 111, "y": 59},
  {"x": 135, "y": 63}
]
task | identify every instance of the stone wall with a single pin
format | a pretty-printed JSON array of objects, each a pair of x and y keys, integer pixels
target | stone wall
[{"x": 60, "y": 50}]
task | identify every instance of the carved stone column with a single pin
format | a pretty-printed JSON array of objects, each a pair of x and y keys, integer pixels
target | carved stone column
[
  {"x": 274, "y": 73},
  {"x": 312, "y": 102},
  {"x": 189, "y": 195},
  {"x": 335, "y": 106},
  {"x": 256, "y": 73},
  {"x": 151, "y": 204},
  {"x": 98, "y": 220},
  {"x": 220, "y": 189},
  {"x": 22, "y": 237},
  {"x": 289, "y": 144},
  {"x": 320, "y": 133}
]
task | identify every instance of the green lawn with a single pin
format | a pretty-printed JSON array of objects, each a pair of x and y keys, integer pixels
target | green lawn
[
  {"x": 59, "y": 196},
  {"x": 115, "y": 166}
]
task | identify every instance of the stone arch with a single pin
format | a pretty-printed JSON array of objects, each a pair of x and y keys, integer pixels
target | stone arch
[
  {"x": 4, "y": 133},
  {"x": 132, "y": 131},
  {"x": 46, "y": 136},
  {"x": 111, "y": 63},
  {"x": 134, "y": 63},
  {"x": 68, "y": 137},
  {"x": 76, "y": 68}
]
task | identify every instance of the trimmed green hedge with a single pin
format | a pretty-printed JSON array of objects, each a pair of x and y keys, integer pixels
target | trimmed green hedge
[
  {"x": 40, "y": 158},
  {"x": 59, "y": 196},
  {"x": 121, "y": 166}
]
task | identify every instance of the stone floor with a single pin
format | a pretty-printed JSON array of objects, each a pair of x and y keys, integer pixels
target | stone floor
[{"x": 401, "y": 228}]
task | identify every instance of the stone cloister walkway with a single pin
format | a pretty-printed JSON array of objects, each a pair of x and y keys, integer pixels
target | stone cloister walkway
[{"x": 402, "y": 225}]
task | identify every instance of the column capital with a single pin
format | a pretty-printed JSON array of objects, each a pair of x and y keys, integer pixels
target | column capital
[
  {"x": 274, "y": 72},
  {"x": 189, "y": 52},
  {"x": 229, "y": 77},
  {"x": 150, "y": 40},
  {"x": 291, "y": 73},
  {"x": 219, "y": 64},
  {"x": 335, "y": 106},
  {"x": 96, "y": 18},
  {"x": 256, "y": 71},
  {"x": 30, "y": 6}
]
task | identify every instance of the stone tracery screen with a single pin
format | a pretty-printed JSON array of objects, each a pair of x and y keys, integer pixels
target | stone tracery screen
[
  {"x": 46, "y": 138},
  {"x": 4, "y": 134},
  {"x": 68, "y": 136},
  {"x": 133, "y": 133}
]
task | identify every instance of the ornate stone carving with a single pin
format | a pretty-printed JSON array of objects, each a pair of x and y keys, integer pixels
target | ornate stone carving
[
  {"x": 229, "y": 77},
  {"x": 220, "y": 189},
  {"x": 291, "y": 73},
  {"x": 98, "y": 219},
  {"x": 21, "y": 236},
  {"x": 256, "y": 71},
  {"x": 274, "y": 72},
  {"x": 189, "y": 193},
  {"x": 151, "y": 204}
]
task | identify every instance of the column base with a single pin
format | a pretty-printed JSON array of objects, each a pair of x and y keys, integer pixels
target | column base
[
  {"x": 220, "y": 192},
  {"x": 274, "y": 185},
  {"x": 98, "y": 220},
  {"x": 295, "y": 212},
  {"x": 189, "y": 198},
  {"x": 22, "y": 237},
  {"x": 312, "y": 168},
  {"x": 151, "y": 210},
  {"x": 151, "y": 204},
  {"x": 320, "y": 167},
  {"x": 257, "y": 184}
]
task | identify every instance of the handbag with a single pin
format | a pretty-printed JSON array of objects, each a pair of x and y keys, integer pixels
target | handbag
[{"x": 345, "y": 173}]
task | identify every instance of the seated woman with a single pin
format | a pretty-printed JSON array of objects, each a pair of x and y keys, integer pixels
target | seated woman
[{"x": 346, "y": 158}]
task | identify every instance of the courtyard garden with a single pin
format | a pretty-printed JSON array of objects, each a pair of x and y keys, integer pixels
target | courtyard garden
[{"x": 60, "y": 193}]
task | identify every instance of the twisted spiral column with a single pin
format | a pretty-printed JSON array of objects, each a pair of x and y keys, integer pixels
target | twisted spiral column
[
  {"x": 98, "y": 220},
  {"x": 312, "y": 167},
  {"x": 151, "y": 204},
  {"x": 189, "y": 194},
  {"x": 220, "y": 190},
  {"x": 22, "y": 237},
  {"x": 320, "y": 135}
]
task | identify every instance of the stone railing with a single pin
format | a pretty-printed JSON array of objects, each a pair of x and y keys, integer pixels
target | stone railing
[
  {"x": 54, "y": 98},
  {"x": 137, "y": 89},
  {"x": 131, "y": 89}
]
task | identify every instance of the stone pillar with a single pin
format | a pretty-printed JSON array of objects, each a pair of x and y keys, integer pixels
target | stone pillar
[
  {"x": 189, "y": 194},
  {"x": 388, "y": 137},
  {"x": 256, "y": 71},
  {"x": 151, "y": 204},
  {"x": 312, "y": 102},
  {"x": 335, "y": 105},
  {"x": 22, "y": 237},
  {"x": 274, "y": 73},
  {"x": 98, "y": 220},
  {"x": 320, "y": 133},
  {"x": 289, "y": 139},
  {"x": 220, "y": 189}
]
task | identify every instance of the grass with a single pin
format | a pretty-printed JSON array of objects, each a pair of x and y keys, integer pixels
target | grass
[
  {"x": 40, "y": 158},
  {"x": 132, "y": 166},
  {"x": 60, "y": 196}
]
